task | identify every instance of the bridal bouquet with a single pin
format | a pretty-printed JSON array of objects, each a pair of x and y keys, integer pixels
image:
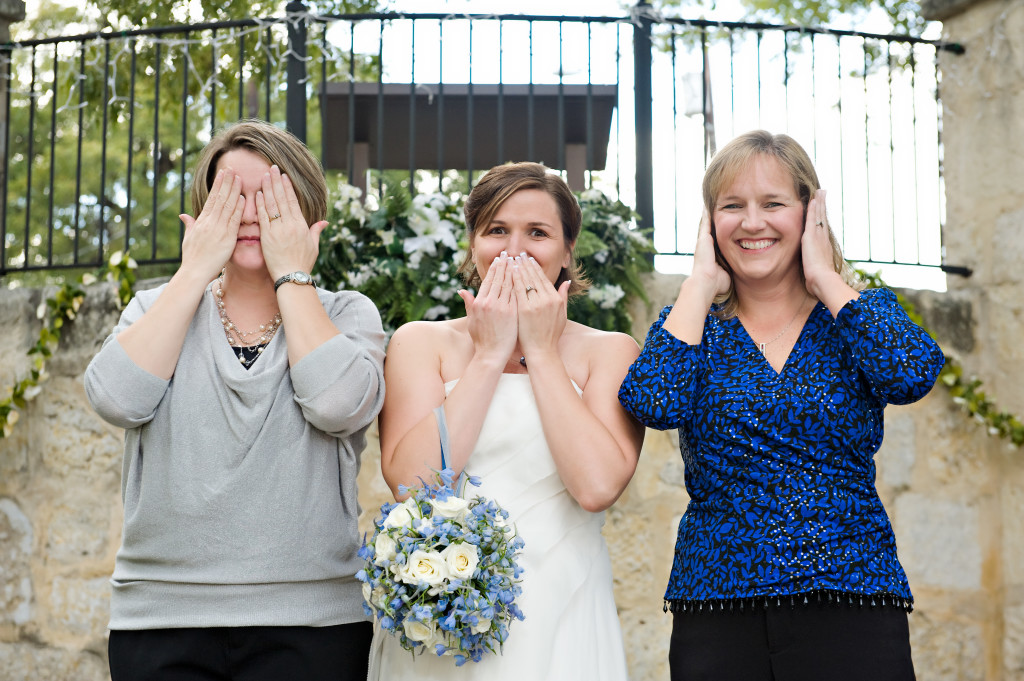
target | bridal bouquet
[{"x": 441, "y": 571}]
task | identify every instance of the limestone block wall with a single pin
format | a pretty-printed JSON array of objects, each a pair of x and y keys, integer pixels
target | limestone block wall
[
  {"x": 983, "y": 125},
  {"x": 954, "y": 494}
]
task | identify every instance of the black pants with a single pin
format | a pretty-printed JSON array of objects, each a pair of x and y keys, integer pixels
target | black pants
[
  {"x": 810, "y": 643},
  {"x": 337, "y": 653}
]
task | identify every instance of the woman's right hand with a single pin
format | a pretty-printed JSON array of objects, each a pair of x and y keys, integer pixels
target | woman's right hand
[
  {"x": 493, "y": 322},
  {"x": 210, "y": 239},
  {"x": 711, "y": 277},
  {"x": 707, "y": 281}
]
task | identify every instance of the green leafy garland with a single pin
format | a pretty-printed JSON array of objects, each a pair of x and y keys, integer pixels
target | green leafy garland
[
  {"x": 404, "y": 256},
  {"x": 966, "y": 393},
  {"x": 57, "y": 311}
]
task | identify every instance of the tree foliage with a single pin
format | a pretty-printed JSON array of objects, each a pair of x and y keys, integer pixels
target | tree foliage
[
  {"x": 104, "y": 131},
  {"x": 904, "y": 15},
  {"x": 122, "y": 14}
]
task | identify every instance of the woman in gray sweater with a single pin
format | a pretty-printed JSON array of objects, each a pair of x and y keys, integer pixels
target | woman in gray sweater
[{"x": 245, "y": 392}]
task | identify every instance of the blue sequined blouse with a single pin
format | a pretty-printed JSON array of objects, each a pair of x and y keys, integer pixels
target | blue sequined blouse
[{"x": 779, "y": 467}]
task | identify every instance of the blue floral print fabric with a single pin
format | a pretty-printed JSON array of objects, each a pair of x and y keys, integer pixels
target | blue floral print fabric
[{"x": 780, "y": 467}]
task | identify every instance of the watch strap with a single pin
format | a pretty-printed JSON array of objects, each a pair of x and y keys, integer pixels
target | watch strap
[{"x": 291, "y": 277}]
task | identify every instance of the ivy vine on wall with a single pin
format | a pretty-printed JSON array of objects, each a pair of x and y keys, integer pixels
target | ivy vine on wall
[
  {"x": 57, "y": 312},
  {"x": 965, "y": 392}
]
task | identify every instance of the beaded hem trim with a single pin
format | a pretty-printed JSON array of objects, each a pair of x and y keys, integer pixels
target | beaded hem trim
[{"x": 820, "y": 597}]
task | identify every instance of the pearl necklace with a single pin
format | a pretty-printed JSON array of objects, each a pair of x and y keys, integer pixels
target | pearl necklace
[
  {"x": 237, "y": 337},
  {"x": 762, "y": 346}
]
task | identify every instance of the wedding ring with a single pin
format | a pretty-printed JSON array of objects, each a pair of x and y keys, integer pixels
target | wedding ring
[
  {"x": 277, "y": 215},
  {"x": 530, "y": 288},
  {"x": 819, "y": 223}
]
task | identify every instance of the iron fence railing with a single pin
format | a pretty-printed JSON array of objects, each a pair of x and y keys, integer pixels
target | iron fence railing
[{"x": 103, "y": 128}]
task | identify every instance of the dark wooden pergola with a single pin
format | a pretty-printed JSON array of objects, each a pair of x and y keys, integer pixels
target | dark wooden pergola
[{"x": 390, "y": 126}]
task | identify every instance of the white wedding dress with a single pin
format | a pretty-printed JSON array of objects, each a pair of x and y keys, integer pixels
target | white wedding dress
[{"x": 571, "y": 630}]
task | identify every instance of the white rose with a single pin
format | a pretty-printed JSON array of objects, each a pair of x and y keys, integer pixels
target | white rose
[
  {"x": 384, "y": 548},
  {"x": 419, "y": 631},
  {"x": 481, "y": 626},
  {"x": 452, "y": 507},
  {"x": 403, "y": 515},
  {"x": 367, "y": 593},
  {"x": 424, "y": 566},
  {"x": 461, "y": 559}
]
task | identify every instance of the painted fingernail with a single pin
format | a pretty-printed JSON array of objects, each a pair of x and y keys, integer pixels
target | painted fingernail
[
  {"x": 504, "y": 254},
  {"x": 523, "y": 254}
]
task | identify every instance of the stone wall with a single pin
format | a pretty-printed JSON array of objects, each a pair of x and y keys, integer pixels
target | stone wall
[{"x": 983, "y": 101}]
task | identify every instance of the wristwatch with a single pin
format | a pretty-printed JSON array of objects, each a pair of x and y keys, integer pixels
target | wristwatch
[{"x": 295, "y": 278}]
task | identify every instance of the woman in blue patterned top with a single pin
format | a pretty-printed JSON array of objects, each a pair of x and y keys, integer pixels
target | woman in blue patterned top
[{"x": 776, "y": 367}]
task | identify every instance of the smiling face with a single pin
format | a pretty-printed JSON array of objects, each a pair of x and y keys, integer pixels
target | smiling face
[
  {"x": 758, "y": 221},
  {"x": 250, "y": 167},
  {"x": 527, "y": 221}
]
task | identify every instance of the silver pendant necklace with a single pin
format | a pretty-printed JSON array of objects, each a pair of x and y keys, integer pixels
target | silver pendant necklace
[{"x": 762, "y": 346}]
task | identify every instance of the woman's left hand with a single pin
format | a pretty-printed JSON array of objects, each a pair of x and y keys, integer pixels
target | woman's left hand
[
  {"x": 820, "y": 276},
  {"x": 816, "y": 246},
  {"x": 288, "y": 243},
  {"x": 541, "y": 307}
]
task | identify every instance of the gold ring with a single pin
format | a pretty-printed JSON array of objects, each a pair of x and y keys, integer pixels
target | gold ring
[{"x": 277, "y": 215}]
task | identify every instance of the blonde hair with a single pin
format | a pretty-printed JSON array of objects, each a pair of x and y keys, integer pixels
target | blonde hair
[
  {"x": 501, "y": 182},
  {"x": 277, "y": 147},
  {"x": 735, "y": 157}
]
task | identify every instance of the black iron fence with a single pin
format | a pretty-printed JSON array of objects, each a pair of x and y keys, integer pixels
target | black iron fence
[{"x": 102, "y": 129}]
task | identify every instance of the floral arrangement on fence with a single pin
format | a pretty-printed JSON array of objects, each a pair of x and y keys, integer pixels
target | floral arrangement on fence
[
  {"x": 614, "y": 254},
  {"x": 404, "y": 255},
  {"x": 441, "y": 571}
]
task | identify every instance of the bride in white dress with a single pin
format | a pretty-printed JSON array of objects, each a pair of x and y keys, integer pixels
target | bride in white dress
[{"x": 531, "y": 405}]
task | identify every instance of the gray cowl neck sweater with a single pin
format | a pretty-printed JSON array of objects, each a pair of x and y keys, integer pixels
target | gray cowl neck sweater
[{"x": 239, "y": 486}]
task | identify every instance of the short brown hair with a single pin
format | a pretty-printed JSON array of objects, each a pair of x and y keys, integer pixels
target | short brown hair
[
  {"x": 501, "y": 182},
  {"x": 735, "y": 157},
  {"x": 278, "y": 147}
]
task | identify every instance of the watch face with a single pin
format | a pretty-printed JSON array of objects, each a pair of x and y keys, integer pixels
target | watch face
[{"x": 302, "y": 278}]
